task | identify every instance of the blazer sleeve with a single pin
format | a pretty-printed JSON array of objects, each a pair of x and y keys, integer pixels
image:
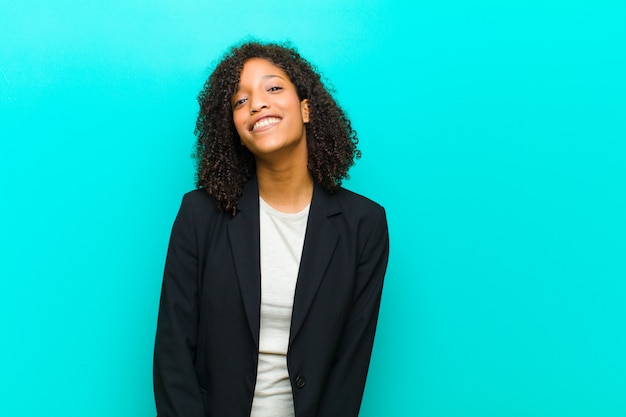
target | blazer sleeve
[
  {"x": 344, "y": 387},
  {"x": 176, "y": 388}
]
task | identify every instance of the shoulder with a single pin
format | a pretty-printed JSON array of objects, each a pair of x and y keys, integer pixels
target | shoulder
[
  {"x": 357, "y": 204},
  {"x": 200, "y": 207},
  {"x": 352, "y": 212},
  {"x": 364, "y": 219},
  {"x": 199, "y": 197}
]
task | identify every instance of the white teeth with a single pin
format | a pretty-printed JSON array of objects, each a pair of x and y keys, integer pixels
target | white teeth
[{"x": 265, "y": 122}]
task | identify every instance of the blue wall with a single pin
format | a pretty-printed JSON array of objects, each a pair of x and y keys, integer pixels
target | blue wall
[{"x": 493, "y": 132}]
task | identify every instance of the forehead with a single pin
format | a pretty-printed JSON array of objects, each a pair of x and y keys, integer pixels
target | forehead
[{"x": 255, "y": 68}]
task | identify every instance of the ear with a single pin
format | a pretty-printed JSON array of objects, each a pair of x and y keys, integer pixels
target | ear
[{"x": 304, "y": 109}]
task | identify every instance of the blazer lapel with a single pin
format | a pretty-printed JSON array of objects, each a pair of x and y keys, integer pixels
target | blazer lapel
[
  {"x": 243, "y": 233},
  {"x": 319, "y": 244}
]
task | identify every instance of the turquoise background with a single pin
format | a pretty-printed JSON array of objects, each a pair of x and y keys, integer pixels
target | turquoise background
[{"x": 494, "y": 133}]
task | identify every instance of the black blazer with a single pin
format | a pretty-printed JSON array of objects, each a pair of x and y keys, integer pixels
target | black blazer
[{"x": 206, "y": 349}]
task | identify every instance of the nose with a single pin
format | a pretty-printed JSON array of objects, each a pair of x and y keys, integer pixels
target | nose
[{"x": 257, "y": 103}]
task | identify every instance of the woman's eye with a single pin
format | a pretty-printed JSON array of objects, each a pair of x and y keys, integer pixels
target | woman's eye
[
  {"x": 275, "y": 88},
  {"x": 239, "y": 102}
]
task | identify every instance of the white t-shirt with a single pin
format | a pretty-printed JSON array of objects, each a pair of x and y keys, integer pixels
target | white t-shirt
[{"x": 282, "y": 239}]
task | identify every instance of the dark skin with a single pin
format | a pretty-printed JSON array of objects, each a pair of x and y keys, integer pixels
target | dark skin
[
  {"x": 270, "y": 120},
  {"x": 225, "y": 165}
]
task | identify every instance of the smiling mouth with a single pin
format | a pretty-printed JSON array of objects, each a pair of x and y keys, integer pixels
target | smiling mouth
[{"x": 265, "y": 122}]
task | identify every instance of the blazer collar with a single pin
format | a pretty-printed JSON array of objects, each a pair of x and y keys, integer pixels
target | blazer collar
[
  {"x": 319, "y": 244},
  {"x": 243, "y": 233}
]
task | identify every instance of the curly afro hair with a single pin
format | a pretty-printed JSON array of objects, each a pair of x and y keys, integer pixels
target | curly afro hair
[{"x": 224, "y": 166}]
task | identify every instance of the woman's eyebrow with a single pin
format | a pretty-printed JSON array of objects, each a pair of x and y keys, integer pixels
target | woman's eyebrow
[{"x": 265, "y": 77}]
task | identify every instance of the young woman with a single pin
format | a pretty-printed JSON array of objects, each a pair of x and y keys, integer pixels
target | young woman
[{"x": 274, "y": 272}]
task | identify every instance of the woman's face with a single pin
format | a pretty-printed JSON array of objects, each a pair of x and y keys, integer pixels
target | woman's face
[{"x": 268, "y": 115}]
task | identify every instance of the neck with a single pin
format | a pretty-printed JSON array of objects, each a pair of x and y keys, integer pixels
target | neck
[{"x": 288, "y": 189}]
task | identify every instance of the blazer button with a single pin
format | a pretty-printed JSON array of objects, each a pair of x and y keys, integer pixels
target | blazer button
[{"x": 300, "y": 381}]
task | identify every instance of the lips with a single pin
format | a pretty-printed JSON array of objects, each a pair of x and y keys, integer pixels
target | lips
[{"x": 265, "y": 123}]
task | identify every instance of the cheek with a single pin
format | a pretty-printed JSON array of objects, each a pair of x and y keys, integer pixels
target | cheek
[{"x": 239, "y": 125}]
